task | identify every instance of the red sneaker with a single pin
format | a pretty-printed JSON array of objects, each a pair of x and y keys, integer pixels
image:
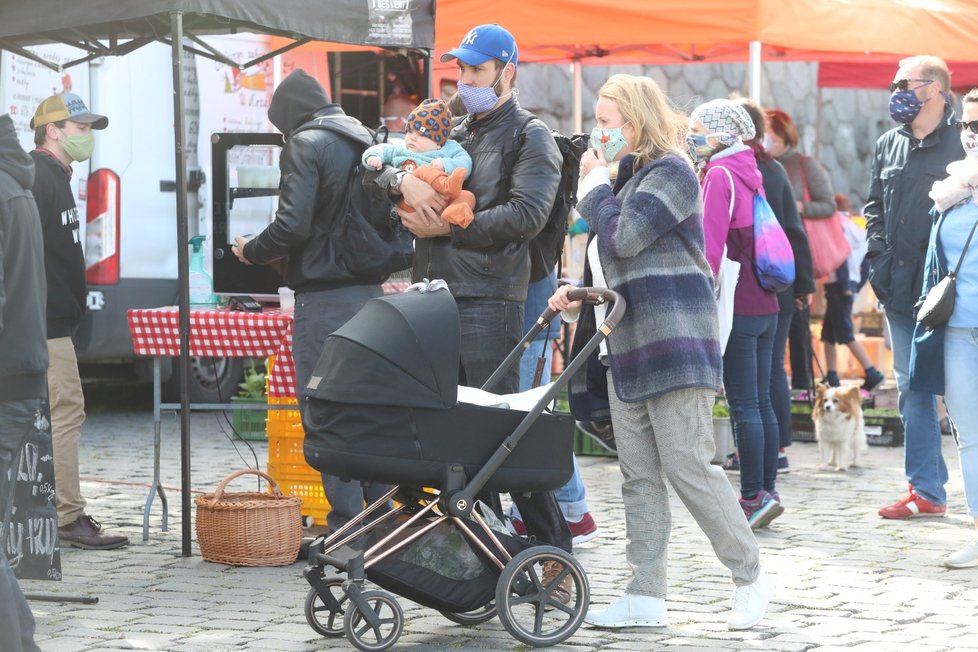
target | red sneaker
[
  {"x": 911, "y": 506},
  {"x": 583, "y": 530}
]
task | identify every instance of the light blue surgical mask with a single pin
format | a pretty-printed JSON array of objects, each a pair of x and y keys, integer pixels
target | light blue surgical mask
[
  {"x": 609, "y": 141},
  {"x": 481, "y": 99}
]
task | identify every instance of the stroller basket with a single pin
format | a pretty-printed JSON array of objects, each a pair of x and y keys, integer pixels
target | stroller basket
[{"x": 442, "y": 570}]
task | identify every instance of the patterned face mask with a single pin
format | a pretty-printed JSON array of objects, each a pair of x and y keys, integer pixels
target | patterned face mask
[
  {"x": 609, "y": 141},
  {"x": 702, "y": 146},
  {"x": 904, "y": 106},
  {"x": 969, "y": 141}
]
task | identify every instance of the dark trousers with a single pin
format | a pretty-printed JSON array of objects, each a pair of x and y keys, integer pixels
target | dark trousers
[
  {"x": 490, "y": 329},
  {"x": 317, "y": 314},
  {"x": 800, "y": 350},
  {"x": 780, "y": 392},
  {"x": 16, "y": 619},
  {"x": 747, "y": 381}
]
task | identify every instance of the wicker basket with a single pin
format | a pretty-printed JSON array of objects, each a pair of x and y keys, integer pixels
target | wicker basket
[{"x": 249, "y": 528}]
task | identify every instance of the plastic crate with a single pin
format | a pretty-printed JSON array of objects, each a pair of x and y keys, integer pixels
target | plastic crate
[
  {"x": 584, "y": 445},
  {"x": 248, "y": 424},
  {"x": 305, "y": 483},
  {"x": 880, "y": 430}
]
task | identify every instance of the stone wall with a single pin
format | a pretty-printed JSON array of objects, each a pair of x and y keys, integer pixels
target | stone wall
[{"x": 838, "y": 126}]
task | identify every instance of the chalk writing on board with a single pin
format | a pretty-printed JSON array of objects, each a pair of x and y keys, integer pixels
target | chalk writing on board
[{"x": 32, "y": 540}]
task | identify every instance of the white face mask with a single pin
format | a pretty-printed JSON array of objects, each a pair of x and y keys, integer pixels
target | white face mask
[{"x": 767, "y": 143}]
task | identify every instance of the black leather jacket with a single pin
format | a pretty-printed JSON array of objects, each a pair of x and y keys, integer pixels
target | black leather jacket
[
  {"x": 897, "y": 214},
  {"x": 489, "y": 259},
  {"x": 316, "y": 166}
]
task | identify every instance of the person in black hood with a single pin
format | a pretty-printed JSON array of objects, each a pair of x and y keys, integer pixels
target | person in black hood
[
  {"x": 63, "y": 129},
  {"x": 315, "y": 165},
  {"x": 23, "y": 353}
]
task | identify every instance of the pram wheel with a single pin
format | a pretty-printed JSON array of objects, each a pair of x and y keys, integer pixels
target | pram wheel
[
  {"x": 529, "y": 609},
  {"x": 474, "y": 617},
  {"x": 377, "y": 630},
  {"x": 324, "y": 620}
]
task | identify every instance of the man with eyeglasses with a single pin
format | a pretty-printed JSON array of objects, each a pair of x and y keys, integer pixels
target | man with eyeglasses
[{"x": 908, "y": 160}]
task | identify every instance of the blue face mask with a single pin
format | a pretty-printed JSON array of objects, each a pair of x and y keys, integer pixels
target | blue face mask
[
  {"x": 481, "y": 99},
  {"x": 904, "y": 106},
  {"x": 609, "y": 141}
]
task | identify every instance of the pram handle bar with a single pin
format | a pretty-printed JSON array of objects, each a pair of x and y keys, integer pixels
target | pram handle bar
[
  {"x": 598, "y": 295},
  {"x": 460, "y": 501}
]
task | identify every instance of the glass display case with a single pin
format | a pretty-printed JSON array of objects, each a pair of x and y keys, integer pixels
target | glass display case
[{"x": 245, "y": 186}]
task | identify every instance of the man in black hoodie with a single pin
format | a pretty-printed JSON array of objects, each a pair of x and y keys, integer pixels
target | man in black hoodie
[
  {"x": 63, "y": 133},
  {"x": 316, "y": 165},
  {"x": 23, "y": 353}
]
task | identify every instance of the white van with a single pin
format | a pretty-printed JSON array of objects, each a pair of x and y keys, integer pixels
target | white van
[{"x": 127, "y": 190}]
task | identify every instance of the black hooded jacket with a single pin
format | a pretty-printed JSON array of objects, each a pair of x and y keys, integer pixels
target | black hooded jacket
[
  {"x": 316, "y": 166},
  {"x": 23, "y": 292}
]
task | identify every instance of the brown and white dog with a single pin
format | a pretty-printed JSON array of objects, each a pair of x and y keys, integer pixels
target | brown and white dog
[{"x": 839, "y": 428}]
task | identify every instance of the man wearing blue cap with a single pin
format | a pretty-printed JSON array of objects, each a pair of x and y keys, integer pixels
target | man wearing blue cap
[
  {"x": 63, "y": 134},
  {"x": 515, "y": 174}
]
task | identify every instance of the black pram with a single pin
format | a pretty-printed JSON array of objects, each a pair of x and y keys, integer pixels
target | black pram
[{"x": 382, "y": 406}]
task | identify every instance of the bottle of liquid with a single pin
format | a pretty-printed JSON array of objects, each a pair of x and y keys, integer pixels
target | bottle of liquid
[{"x": 201, "y": 286}]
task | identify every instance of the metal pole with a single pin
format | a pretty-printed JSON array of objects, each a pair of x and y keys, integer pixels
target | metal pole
[
  {"x": 183, "y": 262},
  {"x": 754, "y": 71},
  {"x": 577, "y": 75}
]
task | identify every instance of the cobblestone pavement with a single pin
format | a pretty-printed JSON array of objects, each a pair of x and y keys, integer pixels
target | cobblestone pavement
[{"x": 844, "y": 578}]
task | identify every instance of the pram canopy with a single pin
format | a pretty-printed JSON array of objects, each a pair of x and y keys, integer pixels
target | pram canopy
[
  {"x": 399, "y": 350},
  {"x": 382, "y": 405}
]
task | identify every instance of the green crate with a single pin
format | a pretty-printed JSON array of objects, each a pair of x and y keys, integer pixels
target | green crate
[
  {"x": 584, "y": 445},
  {"x": 248, "y": 424}
]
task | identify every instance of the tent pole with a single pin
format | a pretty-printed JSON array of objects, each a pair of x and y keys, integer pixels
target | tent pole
[
  {"x": 183, "y": 262},
  {"x": 577, "y": 75},
  {"x": 818, "y": 122},
  {"x": 754, "y": 71}
]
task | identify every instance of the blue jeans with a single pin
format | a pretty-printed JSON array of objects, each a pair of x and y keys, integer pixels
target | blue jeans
[
  {"x": 780, "y": 392},
  {"x": 491, "y": 328},
  {"x": 922, "y": 459},
  {"x": 571, "y": 497},
  {"x": 317, "y": 314},
  {"x": 747, "y": 382},
  {"x": 960, "y": 371}
]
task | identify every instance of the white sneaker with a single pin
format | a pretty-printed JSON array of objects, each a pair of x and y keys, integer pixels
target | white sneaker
[
  {"x": 964, "y": 558},
  {"x": 748, "y": 603},
  {"x": 630, "y": 611}
]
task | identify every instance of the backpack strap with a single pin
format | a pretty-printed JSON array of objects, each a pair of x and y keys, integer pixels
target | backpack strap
[
  {"x": 511, "y": 149},
  {"x": 730, "y": 177},
  {"x": 346, "y": 126}
]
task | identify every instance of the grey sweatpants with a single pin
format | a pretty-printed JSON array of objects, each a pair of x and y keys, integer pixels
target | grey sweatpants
[{"x": 671, "y": 436}]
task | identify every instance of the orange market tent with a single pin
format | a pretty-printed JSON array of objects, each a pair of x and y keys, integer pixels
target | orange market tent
[{"x": 674, "y": 31}]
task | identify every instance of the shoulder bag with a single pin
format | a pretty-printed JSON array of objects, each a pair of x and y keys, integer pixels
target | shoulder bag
[
  {"x": 939, "y": 303},
  {"x": 826, "y": 238}
]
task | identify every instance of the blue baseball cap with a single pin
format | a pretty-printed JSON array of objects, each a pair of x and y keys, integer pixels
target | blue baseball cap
[{"x": 483, "y": 43}]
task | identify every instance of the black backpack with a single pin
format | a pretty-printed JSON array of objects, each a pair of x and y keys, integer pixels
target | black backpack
[
  {"x": 367, "y": 243},
  {"x": 548, "y": 245}
]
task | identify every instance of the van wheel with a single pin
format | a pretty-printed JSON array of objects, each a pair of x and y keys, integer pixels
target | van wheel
[{"x": 212, "y": 380}]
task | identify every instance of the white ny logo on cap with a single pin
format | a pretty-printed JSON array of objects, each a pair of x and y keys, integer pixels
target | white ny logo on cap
[{"x": 470, "y": 37}]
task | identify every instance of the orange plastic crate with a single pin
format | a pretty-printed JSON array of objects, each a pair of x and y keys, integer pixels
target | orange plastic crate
[{"x": 287, "y": 464}]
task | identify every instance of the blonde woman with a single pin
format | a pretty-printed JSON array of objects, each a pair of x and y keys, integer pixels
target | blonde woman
[{"x": 663, "y": 361}]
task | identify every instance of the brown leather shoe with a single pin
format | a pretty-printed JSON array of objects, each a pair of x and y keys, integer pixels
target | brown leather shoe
[
  {"x": 562, "y": 591},
  {"x": 86, "y": 533}
]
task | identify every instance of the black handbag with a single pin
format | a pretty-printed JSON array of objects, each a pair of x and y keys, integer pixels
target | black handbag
[{"x": 938, "y": 305}]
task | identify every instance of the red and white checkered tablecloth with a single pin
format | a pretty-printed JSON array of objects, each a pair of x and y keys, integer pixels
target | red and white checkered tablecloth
[
  {"x": 220, "y": 333},
  {"x": 223, "y": 333}
]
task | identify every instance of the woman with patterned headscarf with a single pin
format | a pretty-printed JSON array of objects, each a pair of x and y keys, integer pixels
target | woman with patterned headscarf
[{"x": 730, "y": 178}]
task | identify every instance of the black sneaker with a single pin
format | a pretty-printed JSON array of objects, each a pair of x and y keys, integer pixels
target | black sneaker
[
  {"x": 873, "y": 380},
  {"x": 732, "y": 463},
  {"x": 601, "y": 432}
]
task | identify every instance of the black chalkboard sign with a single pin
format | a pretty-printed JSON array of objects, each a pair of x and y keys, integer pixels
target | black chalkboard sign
[{"x": 32, "y": 541}]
